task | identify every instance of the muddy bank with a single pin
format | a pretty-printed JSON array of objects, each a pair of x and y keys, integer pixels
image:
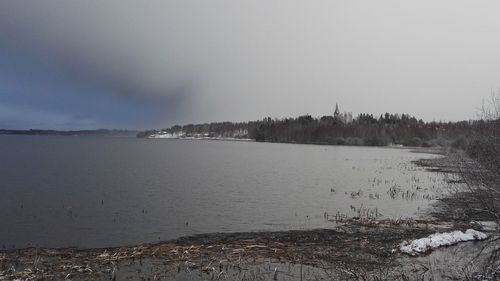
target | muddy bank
[
  {"x": 447, "y": 163},
  {"x": 473, "y": 195},
  {"x": 367, "y": 247},
  {"x": 353, "y": 248}
]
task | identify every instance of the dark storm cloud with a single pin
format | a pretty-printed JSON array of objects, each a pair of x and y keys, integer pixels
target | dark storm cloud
[
  {"x": 57, "y": 62},
  {"x": 36, "y": 92},
  {"x": 62, "y": 33}
]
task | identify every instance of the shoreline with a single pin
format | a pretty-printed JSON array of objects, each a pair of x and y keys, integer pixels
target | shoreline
[
  {"x": 416, "y": 149},
  {"x": 362, "y": 246}
]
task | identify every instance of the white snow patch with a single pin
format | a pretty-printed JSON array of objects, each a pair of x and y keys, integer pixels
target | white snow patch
[
  {"x": 165, "y": 135},
  {"x": 437, "y": 240}
]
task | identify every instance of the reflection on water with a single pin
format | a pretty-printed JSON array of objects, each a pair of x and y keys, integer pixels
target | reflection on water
[{"x": 98, "y": 192}]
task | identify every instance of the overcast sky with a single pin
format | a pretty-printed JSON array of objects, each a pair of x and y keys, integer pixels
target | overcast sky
[{"x": 153, "y": 64}]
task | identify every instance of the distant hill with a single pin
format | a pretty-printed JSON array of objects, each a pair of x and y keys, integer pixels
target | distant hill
[{"x": 99, "y": 132}]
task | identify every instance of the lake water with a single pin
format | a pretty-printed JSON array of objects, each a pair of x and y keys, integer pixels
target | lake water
[{"x": 100, "y": 192}]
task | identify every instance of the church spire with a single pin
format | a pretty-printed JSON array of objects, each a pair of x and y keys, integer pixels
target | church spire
[{"x": 336, "y": 114}]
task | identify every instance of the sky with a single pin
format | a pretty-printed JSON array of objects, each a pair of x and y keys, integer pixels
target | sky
[{"x": 152, "y": 64}]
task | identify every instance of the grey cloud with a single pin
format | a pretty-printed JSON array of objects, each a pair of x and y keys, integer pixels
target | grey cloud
[{"x": 243, "y": 60}]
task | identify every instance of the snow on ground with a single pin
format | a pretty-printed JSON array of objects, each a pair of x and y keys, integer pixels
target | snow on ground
[
  {"x": 164, "y": 135},
  {"x": 437, "y": 240}
]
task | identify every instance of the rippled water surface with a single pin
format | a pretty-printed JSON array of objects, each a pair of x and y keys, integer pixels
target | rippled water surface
[{"x": 100, "y": 192}]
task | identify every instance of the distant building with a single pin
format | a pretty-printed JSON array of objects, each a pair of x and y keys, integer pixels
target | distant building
[{"x": 345, "y": 118}]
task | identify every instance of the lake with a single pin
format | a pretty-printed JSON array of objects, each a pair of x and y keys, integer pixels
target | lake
[{"x": 100, "y": 192}]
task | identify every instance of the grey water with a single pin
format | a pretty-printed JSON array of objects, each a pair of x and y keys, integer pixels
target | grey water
[{"x": 101, "y": 192}]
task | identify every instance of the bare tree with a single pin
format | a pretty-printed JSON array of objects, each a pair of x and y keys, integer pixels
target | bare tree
[{"x": 479, "y": 168}]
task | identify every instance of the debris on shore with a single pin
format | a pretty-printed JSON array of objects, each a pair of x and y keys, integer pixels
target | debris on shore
[{"x": 367, "y": 247}]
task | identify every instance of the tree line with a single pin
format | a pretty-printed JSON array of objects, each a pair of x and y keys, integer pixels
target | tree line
[{"x": 365, "y": 129}]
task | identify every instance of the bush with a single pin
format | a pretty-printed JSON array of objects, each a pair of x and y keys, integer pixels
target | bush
[
  {"x": 355, "y": 141},
  {"x": 439, "y": 142},
  {"x": 460, "y": 143},
  {"x": 475, "y": 149},
  {"x": 427, "y": 144},
  {"x": 413, "y": 142},
  {"x": 376, "y": 141},
  {"x": 340, "y": 141}
]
